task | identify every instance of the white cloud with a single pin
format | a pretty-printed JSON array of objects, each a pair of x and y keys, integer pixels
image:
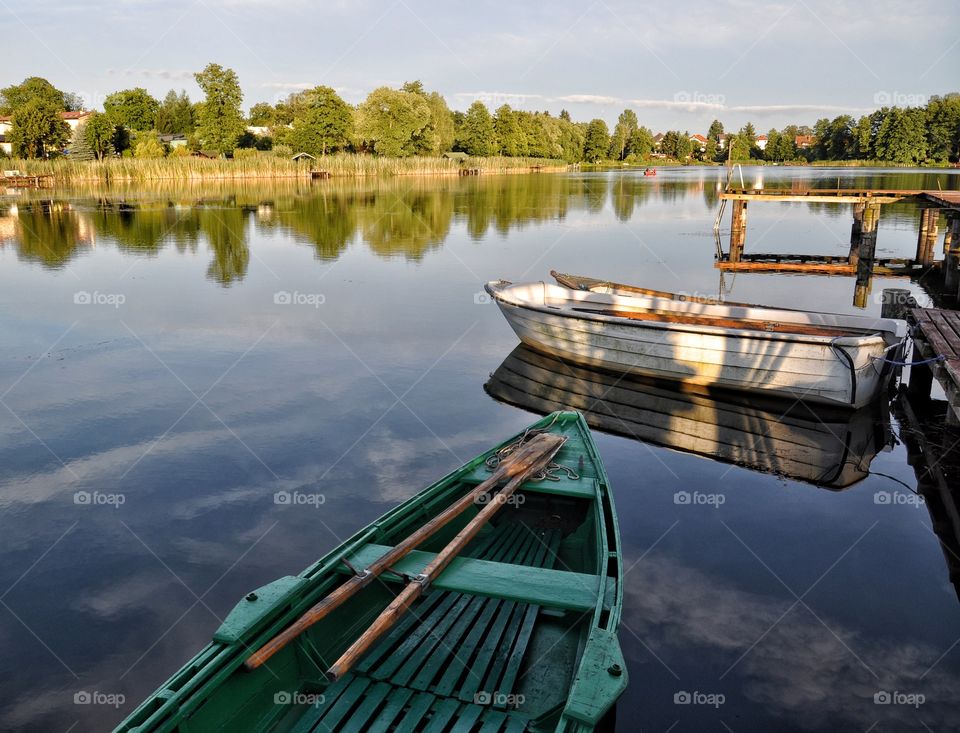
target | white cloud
[{"x": 690, "y": 102}]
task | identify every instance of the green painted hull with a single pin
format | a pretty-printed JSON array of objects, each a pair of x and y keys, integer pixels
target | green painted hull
[{"x": 518, "y": 634}]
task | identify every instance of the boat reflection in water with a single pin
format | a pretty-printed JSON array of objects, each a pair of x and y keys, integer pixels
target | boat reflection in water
[{"x": 811, "y": 443}]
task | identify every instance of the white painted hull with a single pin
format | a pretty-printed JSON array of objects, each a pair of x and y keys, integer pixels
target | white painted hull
[{"x": 841, "y": 370}]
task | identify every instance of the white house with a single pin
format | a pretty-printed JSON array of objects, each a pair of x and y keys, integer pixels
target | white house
[
  {"x": 73, "y": 120},
  {"x": 5, "y": 145}
]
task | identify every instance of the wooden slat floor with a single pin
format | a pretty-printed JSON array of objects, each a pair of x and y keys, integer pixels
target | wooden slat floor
[{"x": 438, "y": 667}]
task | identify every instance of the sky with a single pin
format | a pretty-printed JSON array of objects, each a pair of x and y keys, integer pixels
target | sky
[{"x": 678, "y": 65}]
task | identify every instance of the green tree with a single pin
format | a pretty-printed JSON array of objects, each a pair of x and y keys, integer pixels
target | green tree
[
  {"x": 902, "y": 136},
  {"x": 262, "y": 114},
  {"x": 863, "y": 138},
  {"x": 134, "y": 108},
  {"x": 943, "y": 127},
  {"x": 511, "y": 138},
  {"x": 684, "y": 147},
  {"x": 627, "y": 124},
  {"x": 740, "y": 147},
  {"x": 99, "y": 133},
  {"x": 477, "y": 133},
  {"x": 175, "y": 114},
  {"x": 538, "y": 146},
  {"x": 572, "y": 138},
  {"x": 640, "y": 144},
  {"x": 72, "y": 102},
  {"x": 79, "y": 146},
  {"x": 715, "y": 131},
  {"x": 323, "y": 122},
  {"x": 821, "y": 131},
  {"x": 219, "y": 121},
  {"x": 120, "y": 139},
  {"x": 37, "y": 130},
  {"x": 436, "y": 136},
  {"x": 669, "y": 143},
  {"x": 839, "y": 142},
  {"x": 37, "y": 88},
  {"x": 772, "y": 149},
  {"x": 711, "y": 150},
  {"x": 597, "y": 141},
  {"x": 148, "y": 147},
  {"x": 388, "y": 120}
]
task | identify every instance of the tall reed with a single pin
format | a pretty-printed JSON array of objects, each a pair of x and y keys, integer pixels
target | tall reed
[{"x": 265, "y": 165}]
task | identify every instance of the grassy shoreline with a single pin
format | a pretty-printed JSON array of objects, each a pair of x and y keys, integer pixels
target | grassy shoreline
[{"x": 65, "y": 171}]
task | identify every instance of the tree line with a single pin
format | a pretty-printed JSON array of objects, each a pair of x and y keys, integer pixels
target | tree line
[{"x": 414, "y": 121}]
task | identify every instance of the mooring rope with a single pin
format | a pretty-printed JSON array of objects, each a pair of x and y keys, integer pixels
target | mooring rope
[
  {"x": 931, "y": 360},
  {"x": 553, "y": 472}
]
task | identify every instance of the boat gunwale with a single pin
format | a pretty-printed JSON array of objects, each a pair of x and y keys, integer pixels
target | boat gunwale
[{"x": 855, "y": 340}]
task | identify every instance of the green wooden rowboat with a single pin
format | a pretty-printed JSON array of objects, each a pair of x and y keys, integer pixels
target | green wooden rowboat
[{"x": 518, "y": 633}]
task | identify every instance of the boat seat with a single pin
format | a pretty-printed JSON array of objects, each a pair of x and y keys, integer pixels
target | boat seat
[
  {"x": 453, "y": 660},
  {"x": 561, "y": 589}
]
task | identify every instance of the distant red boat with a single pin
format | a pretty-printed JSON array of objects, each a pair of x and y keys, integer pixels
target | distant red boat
[{"x": 650, "y": 172}]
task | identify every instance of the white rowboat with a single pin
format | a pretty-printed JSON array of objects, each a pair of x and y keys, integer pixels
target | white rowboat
[{"x": 815, "y": 357}]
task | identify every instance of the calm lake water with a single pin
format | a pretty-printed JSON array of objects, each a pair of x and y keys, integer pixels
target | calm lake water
[{"x": 172, "y": 358}]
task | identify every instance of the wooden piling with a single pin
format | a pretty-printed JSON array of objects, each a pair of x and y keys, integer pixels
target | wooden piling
[
  {"x": 921, "y": 378},
  {"x": 927, "y": 236},
  {"x": 738, "y": 230},
  {"x": 866, "y": 253},
  {"x": 855, "y": 233}
]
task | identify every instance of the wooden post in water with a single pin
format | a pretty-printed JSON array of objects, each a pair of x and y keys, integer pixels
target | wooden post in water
[
  {"x": 927, "y": 236},
  {"x": 951, "y": 257},
  {"x": 855, "y": 232},
  {"x": 868, "y": 248},
  {"x": 738, "y": 229}
]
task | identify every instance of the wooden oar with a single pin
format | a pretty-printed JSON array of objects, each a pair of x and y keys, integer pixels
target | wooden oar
[
  {"x": 547, "y": 446},
  {"x": 519, "y": 466}
]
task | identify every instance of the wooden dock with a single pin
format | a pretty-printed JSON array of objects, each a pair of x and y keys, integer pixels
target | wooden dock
[
  {"x": 15, "y": 179},
  {"x": 860, "y": 260},
  {"x": 936, "y": 355}
]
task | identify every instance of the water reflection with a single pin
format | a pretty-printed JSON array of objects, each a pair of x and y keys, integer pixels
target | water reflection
[
  {"x": 803, "y": 442},
  {"x": 48, "y": 232},
  {"x": 395, "y": 218},
  {"x": 310, "y": 396}
]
